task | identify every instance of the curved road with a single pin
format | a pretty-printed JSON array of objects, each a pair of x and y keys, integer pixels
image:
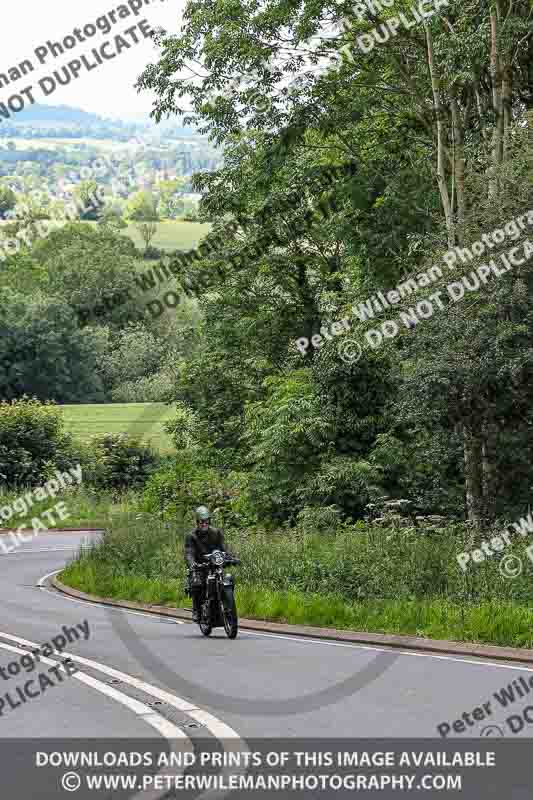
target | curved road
[{"x": 178, "y": 683}]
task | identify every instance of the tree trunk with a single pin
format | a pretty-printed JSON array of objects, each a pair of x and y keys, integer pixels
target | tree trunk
[
  {"x": 490, "y": 476},
  {"x": 497, "y": 105},
  {"x": 507, "y": 94},
  {"x": 441, "y": 148},
  {"x": 473, "y": 474},
  {"x": 459, "y": 162}
]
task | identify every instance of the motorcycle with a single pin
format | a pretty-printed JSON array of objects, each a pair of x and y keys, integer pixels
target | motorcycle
[{"x": 219, "y": 608}]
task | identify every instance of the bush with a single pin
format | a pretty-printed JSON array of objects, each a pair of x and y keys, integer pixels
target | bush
[
  {"x": 153, "y": 253},
  {"x": 32, "y": 442},
  {"x": 318, "y": 519},
  {"x": 147, "y": 389},
  {"x": 174, "y": 491},
  {"x": 117, "y": 461}
]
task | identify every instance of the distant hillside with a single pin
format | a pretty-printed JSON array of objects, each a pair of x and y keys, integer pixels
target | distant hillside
[
  {"x": 43, "y": 118},
  {"x": 61, "y": 115},
  {"x": 175, "y": 124}
]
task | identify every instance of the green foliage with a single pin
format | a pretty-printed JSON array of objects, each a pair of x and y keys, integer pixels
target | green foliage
[
  {"x": 43, "y": 352},
  {"x": 8, "y": 200},
  {"x": 119, "y": 461},
  {"x": 111, "y": 217},
  {"x": 171, "y": 204},
  {"x": 147, "y": 231},
  {"x": 500, "y": 623},
  {"x": 360, "y": 579},
  {"x": 400, "y": 418},
  {"x": 142, "y": 207},
  {"x": 32, "y": 442},
  {"x": 328, "y": 192},
  {"x": 92, "y": 269},
  {"x": 89, "y": 204},
  {"x": 133, "y": 353},
  {"x": 176, "y": 490}
]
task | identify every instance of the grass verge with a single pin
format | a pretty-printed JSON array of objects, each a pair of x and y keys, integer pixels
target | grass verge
[
  {"x": 86, "y": 507},
  {"x": 500, "y": 623}
]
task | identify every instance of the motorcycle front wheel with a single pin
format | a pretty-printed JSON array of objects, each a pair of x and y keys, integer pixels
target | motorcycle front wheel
[
  {"x": 229, "y": 615},
  {"x": 205, "y": 620}
]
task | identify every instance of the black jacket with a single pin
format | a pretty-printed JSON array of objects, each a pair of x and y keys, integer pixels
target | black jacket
[{"x": 198, "y": 544}]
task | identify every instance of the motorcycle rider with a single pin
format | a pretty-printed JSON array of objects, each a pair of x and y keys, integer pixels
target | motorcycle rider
[{"x": 201, "y": 540}]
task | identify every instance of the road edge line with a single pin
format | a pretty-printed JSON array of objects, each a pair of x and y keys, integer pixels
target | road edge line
[{"x": 494, "y": 652}]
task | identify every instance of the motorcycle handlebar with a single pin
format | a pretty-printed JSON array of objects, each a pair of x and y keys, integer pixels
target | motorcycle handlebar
[{"x": 227, "y": 560}]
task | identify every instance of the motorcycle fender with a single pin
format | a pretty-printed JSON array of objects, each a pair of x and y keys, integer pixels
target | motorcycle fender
[
  {"x": 228, "y": 590},
  {"x": 228, "y": 580}
]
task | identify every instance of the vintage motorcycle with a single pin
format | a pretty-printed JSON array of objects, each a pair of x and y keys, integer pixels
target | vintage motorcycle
[{"x": 219, "y": 608}]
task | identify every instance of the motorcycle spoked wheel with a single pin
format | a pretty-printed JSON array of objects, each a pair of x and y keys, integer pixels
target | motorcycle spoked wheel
[
  {"x": 230, "y": 617},
  {"x": 205, "y": 620}
]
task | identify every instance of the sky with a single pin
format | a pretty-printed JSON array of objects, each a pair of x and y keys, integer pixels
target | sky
[{"x": 108, "y": 88}]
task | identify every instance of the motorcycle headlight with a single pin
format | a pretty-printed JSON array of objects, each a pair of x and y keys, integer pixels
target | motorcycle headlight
[{"x": 219, "y": 559}]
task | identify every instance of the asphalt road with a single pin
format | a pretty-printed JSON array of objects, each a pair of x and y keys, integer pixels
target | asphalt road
[{"x": 178, "y": 683}]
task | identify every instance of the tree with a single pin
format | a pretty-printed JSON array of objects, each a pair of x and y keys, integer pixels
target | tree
[
  {"x": 473, "y": 365},
  {"x": 170, "y": 204},
  {"x": 147, "y": 231},
  {"x": 28, "y": 216},
  {"x": 430, "y": 118},
  {"x": 32, "y": 438},
  {"x": 111, "y": 218},
  {"x": 142, "y": 207},
  {"x": 88, "y": 201},
  {"x": 8, "y": 200},
  {"x": 92, "y": 270},
  {"x": 43, "y": 353}
]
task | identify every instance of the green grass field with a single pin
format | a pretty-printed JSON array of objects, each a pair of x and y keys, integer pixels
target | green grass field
[
  {"x": 172, "y": 235},
  {"x": 144, "y": 420}
]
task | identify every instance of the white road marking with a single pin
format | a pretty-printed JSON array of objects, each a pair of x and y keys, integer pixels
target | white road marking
[
  {"x": 355, "y": 645},
  {"x": 167, "y": 729},
  {"x": 231, "y": 741},
  {"x": 23, "y": 552},
  {"x": 41, "y": 585},
  {"x": 214, "y": 725},
  {"x": 461, "y": 659},
  {"x": 162, "y": 725},
  {"x": 42, "y": 580}
]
